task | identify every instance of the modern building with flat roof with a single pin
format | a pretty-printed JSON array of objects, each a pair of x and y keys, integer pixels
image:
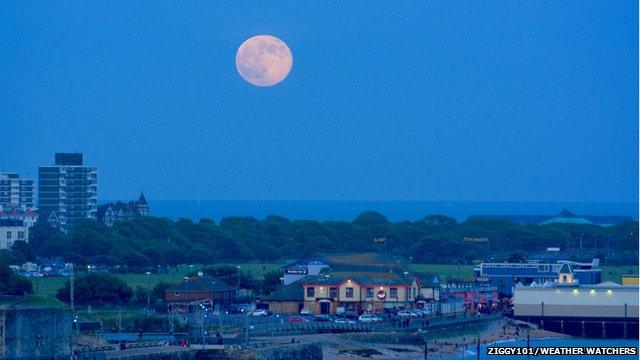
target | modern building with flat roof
[
  {"x": 505, "y": 275},
  {"x": 16, "y": 191},
  {"x": 595, "y": 310},
  {"x": 67, "y": 191}
]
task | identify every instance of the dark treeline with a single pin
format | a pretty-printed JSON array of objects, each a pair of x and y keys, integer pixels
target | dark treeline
[{"x": 151, "y": 241}]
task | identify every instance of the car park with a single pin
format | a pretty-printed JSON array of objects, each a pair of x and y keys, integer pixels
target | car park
[
  {"x": 306, "y": 311},
  {"x": 407, "y": 313},
  {"x": 322, "y": 318},
  {"x": 259, "y": 313},
  {"x": 369, "y": 318},
  {"x": 297, "y": 320}
]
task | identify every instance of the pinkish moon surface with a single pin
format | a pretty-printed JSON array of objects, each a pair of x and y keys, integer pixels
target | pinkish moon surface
[{"x": 264, "y": 60}]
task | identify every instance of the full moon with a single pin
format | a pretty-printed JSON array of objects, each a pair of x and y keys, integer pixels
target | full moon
[{"x": 264, "y": 60}]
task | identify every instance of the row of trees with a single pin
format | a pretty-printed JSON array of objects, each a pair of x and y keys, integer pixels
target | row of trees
[{"x": 152, "y": 241}]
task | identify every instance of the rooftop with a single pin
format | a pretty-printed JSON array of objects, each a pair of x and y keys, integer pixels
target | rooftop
[{"x": 201, "y": 283}]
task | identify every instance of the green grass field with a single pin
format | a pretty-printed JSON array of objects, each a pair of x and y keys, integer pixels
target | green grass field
[{"x": 49, "y": 286}]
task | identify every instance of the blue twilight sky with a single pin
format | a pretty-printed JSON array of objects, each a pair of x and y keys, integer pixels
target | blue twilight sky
[{"x": 424, "y": 100}]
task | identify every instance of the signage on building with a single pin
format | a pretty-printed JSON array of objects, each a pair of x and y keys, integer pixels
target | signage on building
[
  {"x": 381, "y": 294},
  {"x": 296, "y": 271},
  {"x": 476, "y": 239}
]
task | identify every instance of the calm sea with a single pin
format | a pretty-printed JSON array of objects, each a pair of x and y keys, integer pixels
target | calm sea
[
  {"x": 394, "y": 210},
  {"x": 471, "y": 354}
]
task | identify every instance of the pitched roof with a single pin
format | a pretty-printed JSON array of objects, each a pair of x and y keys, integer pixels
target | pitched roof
[
  {"x": 291, "y": 292},
  {"x": 142, "y": 200},
  {"x": 201, "y": 284},
  {"x": 427, "y": 279},
  {"x": 565, "y": 269},
  {"x": 388, "y": 277}
]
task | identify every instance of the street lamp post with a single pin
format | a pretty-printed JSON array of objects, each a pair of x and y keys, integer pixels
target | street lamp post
[
  {"x": 186, "y": 292},
  {"x": 71, "y": 295},
  {"x": 238, "y": 281},
  {"x": 148, "y": 290}
]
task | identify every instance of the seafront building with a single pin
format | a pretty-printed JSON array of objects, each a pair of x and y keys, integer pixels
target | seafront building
[
  {"x": 198, "y": 290},
  {"x": 475, "y": 295},
  {"x": 505, "y": 275},
  {"x": 12, "y": 230},
  {"x": 595, "y": 310},
  {"x": 67, "y": 190},
  {"x": 16, "y": 192},
  {"x": 354, "y": 283},
  {"x": 111, "y": 213},
  {"x": 29, "y": 217}
]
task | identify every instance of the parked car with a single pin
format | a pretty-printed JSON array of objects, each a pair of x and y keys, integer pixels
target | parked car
[
  {"x": 407, "y": 313},
  {"x": 417, "y": 312},
  {"x": 322, "y": 318},
  {"x": 343, "y": 321},
  {"x": 306, "y": 311},
  {"x": 297, "y": 320},
  {"x": 369, "y": 318},
  {"x": 425, "y": 312},
  {"x": 260, "y": 313}
]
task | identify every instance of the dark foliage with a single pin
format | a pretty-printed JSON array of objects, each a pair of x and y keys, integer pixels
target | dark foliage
[
  {"x": 12, "y": 284},
  {"x": 97, "y": 289},
  {"x": 147, "y": 242}
]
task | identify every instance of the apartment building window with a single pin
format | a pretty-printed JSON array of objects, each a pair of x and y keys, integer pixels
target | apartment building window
[
  {"x": 20, "y": 234},
  {"x": 369, "y": 292},
  {"x": 333, "y": 292},
  {"x": 8, "y": 234},
  {"x": 348, "y": 292},
  {"x": 393, "y": 293},
  {"x": 311, "y": 291}
]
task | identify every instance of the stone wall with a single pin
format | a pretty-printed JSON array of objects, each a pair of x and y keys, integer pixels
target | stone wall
[{"x": 38, "y": 334}]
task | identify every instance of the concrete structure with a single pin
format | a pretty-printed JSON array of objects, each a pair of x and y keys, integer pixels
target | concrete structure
[
  {"x": 198, "y": 290},
  {"x": 12, "y": 231},
  {"x": 16, "y": 192},
  {"x": 111, "y": 213},
  {"x": 34, "y": 328},
  {"x": 505, "y": 275},
  {"x": 28, "y": 216},
  {"x": 67, "y": 190}
]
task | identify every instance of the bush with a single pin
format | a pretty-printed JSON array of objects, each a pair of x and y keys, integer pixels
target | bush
[
  {"x": 97, "y": 289},
  {"x": 12, "y": 284}
]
